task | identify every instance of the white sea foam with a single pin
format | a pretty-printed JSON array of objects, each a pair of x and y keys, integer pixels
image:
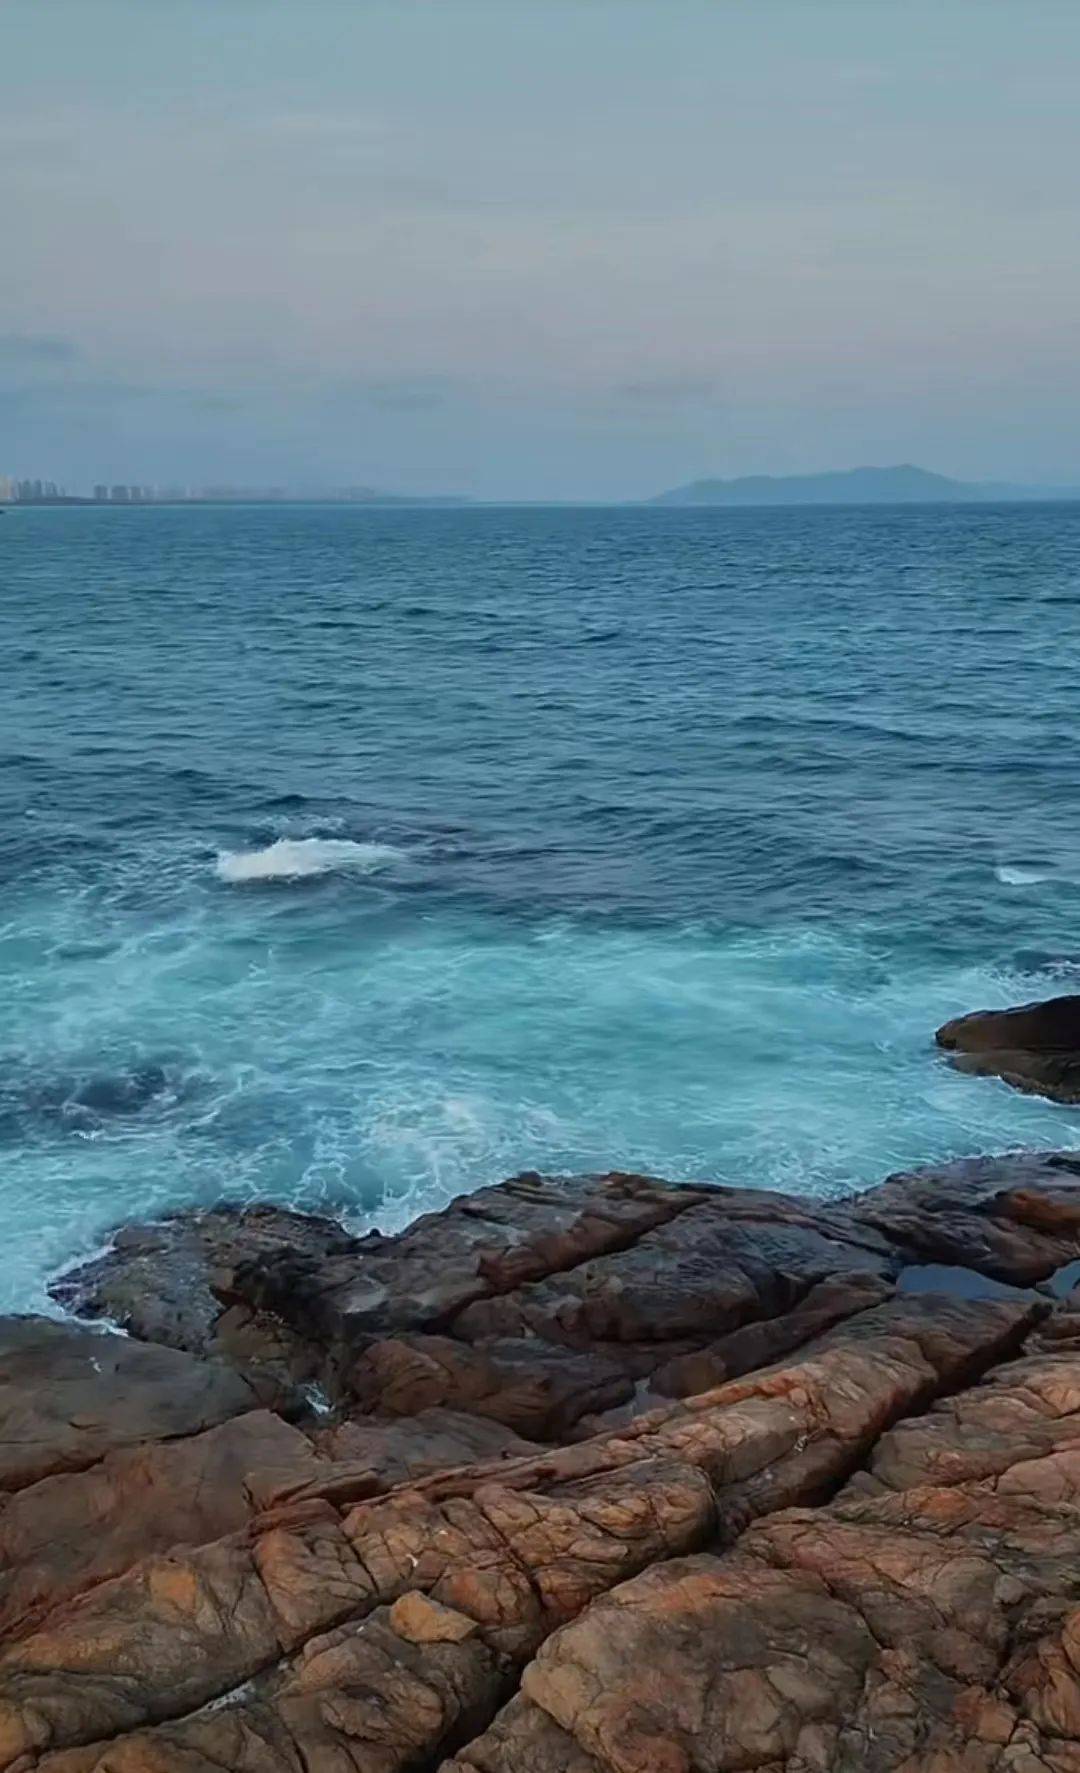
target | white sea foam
[
  {"x": 1012, "y": 876},
  {"x": 292, "y": 857}
]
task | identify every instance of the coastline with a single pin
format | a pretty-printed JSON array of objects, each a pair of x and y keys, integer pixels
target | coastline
[{"x": 332, "y": 1491}]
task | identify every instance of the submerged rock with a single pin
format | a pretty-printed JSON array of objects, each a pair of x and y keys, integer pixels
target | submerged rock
[
  {"x": 618, "y": 1476},
  {"x": 1035, "y": 1047}
]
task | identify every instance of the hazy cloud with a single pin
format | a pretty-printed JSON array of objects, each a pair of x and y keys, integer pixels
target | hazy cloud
[
  {"x": 34, "y": 350},
  {"x": 527, "y": 249},
  {"x": 669, "y": 391}
]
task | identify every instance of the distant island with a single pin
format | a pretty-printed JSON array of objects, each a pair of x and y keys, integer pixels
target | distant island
[{"x": 903, "y": 485}]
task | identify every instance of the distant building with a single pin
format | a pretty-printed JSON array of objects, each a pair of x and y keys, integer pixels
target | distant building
[
  {"x": 119, "y": 495},
  {"x": 7, "y": 490},
  {"x": 101, "y": 493}
]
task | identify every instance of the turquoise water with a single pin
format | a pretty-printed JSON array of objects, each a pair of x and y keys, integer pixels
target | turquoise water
[{"x": 355, "y": 858}]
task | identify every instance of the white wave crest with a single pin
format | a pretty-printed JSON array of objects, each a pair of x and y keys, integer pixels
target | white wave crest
[
  {"x": 1010, "y": 876},
  {"x": 292, "y": 857}
]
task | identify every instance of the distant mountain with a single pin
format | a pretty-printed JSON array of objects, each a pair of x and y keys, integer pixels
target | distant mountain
[{"x": 904, "y": 485}]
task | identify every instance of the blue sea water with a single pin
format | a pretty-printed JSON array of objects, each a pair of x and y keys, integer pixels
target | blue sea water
[{"x": 354, "y": 858}]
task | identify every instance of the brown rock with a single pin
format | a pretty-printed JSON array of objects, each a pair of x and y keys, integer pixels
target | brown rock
[
  {"x": 361, "y": 1699},
  {"x": 193, "y": 1595},
  {"x": 174, "y": 1282},
  {"x": 768, "y": 1340},
  {"x": 523, "y": 1738},
  {"x": 1015, "y": 1217},
  {"x": 415, "y": 1446},
  {"x": 530, "y": 1387},
  {"x": 1020, "y": 1414},
  {"x": 519, "y": 1561},
  {"x": 423, "y": 1621},
  {"x": 720, "y": 1264},
  {"x": 1035, "y": 1047},
  {"x": 929, "y": 1631},
  {"x": 795, "y": 1429},
  {"x": 62, "y": 1535},
  {"x": 69, "y": 1395},
  {"x": 176, "y": 1631},
  {"x": 700, "y": 1662},
  {"x": 480, "y": 1245}
]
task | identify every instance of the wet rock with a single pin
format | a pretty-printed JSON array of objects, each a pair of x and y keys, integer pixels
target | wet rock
[
  {"x": 480, "y": 1246},
  {"x": 174, "y": 1282},
  {"x": 87, "y": 1101},
  {"x": 721, "y": 1263},
  {"x": 1035, "y": 1047},
  {"x": 1052, "y": 1026},
  {"x": 1015, "y": 1217}
]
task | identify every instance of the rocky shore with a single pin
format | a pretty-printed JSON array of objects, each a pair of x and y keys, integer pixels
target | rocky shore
[
  {"x": 1034, "y": 1047},
  {"x": 587, "y": 1475}
]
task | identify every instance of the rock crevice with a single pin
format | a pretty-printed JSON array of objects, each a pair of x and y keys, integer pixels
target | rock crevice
[{"x": 619, "y": 1476}]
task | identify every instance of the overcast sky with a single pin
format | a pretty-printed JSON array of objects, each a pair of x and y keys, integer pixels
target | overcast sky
[{"x": 537, "y": 247}]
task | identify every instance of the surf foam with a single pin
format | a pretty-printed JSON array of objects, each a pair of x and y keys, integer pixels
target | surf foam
[
  {"x": 292, "y": 857},
  {"x": 1012, "y": 876}
]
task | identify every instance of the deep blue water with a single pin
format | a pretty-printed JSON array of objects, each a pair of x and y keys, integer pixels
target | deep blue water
[{"x": 648, "y": 838}]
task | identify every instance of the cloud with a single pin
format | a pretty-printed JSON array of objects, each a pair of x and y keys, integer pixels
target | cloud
[
  {"x": 404, "y": 394},
  {"x": 20, "y": 349},
  {"x": 216, "y": 403},
  {"x": 661, "y": 391}
]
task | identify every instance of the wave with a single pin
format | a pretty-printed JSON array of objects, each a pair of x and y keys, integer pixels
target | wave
[
  {"x": 1012, "y": 876},
  {"x": 290, "y": 858}
]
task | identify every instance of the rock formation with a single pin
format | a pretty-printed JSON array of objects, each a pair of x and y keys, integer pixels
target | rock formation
[
  {"x": 592, "y": 1475},
  {"x": 1035, "y": 1047}
]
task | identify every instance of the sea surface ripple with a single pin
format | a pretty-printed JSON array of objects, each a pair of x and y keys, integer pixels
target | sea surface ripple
[{"x": 354, "y": 858}]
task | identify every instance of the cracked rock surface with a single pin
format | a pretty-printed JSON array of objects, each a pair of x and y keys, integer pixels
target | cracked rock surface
[{"x": 581, "y": 1475}]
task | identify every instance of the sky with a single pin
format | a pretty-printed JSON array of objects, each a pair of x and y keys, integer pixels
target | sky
[{"x": 537, "y": 248}]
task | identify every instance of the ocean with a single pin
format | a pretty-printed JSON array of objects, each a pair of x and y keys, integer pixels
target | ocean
[{"x": 353, "y": 858}]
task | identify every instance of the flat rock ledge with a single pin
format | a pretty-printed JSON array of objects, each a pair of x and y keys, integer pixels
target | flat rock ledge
[{"x": 580, "y": 1475}]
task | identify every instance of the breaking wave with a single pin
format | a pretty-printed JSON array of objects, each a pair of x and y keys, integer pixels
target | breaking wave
[
  {"x": 290, "y": 858},
  {"x": 1010, "y": 876}
]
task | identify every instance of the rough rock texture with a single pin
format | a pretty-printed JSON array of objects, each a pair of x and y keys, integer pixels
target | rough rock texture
[
  {"x": 1035, "y": 1047},
  {"x": 618, "y": 1477},
  {"x": 931, "y": 1630}
]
